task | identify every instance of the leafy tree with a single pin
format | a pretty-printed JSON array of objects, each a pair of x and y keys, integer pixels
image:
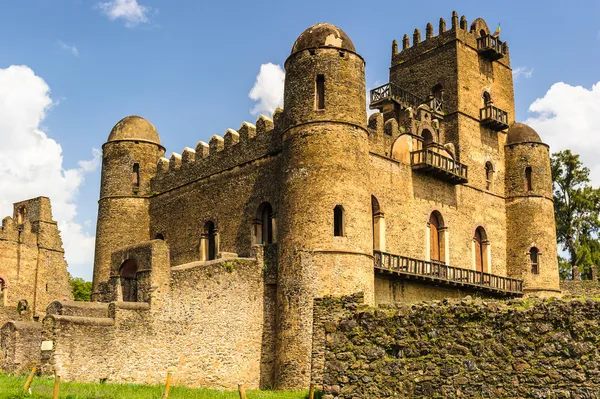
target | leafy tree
[
  {"x": 82, "y": 290},
  {"x": 576, "y": 208}
]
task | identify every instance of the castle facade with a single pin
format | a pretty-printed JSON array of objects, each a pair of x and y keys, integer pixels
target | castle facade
[{"x": 210, "y": 260}]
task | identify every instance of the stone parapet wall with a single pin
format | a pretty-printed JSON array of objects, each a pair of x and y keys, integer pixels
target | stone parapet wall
[
  {"x": 588, "y": 288},
  {"x": 466, "y": 348}
]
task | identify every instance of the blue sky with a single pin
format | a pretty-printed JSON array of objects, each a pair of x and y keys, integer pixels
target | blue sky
[{"x": 188, "y": 67}]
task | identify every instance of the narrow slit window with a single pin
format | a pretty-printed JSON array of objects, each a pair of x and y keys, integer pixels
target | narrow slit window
[
  {"x": 320, "y": 95},
  {"x": 489, "y": 175},
  {"x": 135, "y": 175},
  {"x": 338, "y": 221},
  {"x": 535, "y": 260},
  {"x": 528, "y": 179}
]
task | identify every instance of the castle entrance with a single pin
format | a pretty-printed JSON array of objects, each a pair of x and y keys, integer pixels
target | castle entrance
[{"x": 128, "y": 274}]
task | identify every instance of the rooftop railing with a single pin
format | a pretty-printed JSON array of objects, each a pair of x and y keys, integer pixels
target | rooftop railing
[
  {"x": 443, "y": 274},
  {"x": 390, "y": 91},
  {"x": 428, "y": 160}
]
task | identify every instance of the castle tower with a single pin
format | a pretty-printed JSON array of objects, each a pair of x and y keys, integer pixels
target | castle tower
[
  {"x": 324, "y": 225},
  {"x": 531, "y": 229},
  {"x": 468, "y": 70},
  {"x": 129, "y": 159}
]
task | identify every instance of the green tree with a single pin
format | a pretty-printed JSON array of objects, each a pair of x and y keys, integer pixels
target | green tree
[
  {"x": 576, "y": 209},
  {"x": 82, "y": 290}
]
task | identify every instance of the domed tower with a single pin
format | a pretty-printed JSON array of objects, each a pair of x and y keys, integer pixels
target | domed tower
[
  {"x": 129, "y": 159},
  {"x": 531, "y": 230},
  {"x": 325, "y": 231}
]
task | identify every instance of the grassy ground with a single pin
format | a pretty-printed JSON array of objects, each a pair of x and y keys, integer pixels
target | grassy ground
[{"x": 12, "y": 388}]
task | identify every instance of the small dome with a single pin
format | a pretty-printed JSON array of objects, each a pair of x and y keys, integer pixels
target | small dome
[
  {"x": 521, "y": 133},
  {"x": 323, "y": 35},
  {"x": 134, "y": 128}
]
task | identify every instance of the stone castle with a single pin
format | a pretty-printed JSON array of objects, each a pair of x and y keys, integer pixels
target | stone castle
[{"x": 210, "y": 260}]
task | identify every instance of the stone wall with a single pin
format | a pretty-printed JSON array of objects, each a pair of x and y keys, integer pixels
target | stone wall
[
  {"x": 209, "y": 323},
  {"x": 587, "y": 288},
  {"x": 467, "y": 348}
]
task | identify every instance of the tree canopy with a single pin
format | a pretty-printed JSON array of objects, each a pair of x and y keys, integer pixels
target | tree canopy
[
  {"x": 576, "y": 209},
  {"x": 82, "y": 290}
]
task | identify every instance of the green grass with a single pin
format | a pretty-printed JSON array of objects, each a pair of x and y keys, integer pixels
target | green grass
[{"x": 11, "y": 387}]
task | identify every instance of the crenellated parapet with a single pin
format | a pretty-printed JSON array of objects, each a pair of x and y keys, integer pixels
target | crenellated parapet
[
  {"x": 477, "y": 35},
  {"x": 235, "y": 148},
  {"x": 24, "y": 233}
]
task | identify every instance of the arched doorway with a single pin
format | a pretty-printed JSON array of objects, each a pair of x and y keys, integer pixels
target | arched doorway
[
  {"x": 264, "y": 225},
  {"x": 427, "y": 137},
  {"x": 128, "y": 274},
  {"x": 437, "y": 243},
  {"x": 481, "y": 254},
  {"x": 378, "y": 225}
]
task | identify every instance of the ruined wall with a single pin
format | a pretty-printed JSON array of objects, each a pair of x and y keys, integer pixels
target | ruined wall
[
  {"x": 32, "y": 263},
  {"x": 209, "y": 325},
  {"x": 467, "y": 348},
  {"x": 577, "y": 288},
  {"x": 20, "y": 345}
]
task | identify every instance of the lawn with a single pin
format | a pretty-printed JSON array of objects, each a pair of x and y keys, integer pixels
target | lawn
[{"x": 12, "y": 388}]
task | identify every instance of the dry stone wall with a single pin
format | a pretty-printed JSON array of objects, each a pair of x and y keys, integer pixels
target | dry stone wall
[{"x": 467, "y": 348}]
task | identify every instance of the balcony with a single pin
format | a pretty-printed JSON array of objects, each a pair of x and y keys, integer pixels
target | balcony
[
  {"x": 491, "y": 47},
  {"x": 391, "y": 92},
  {"x": 493, "y": 117},
  {"x": 429, "y": 161},
  {"x": 441, "y": 274}
]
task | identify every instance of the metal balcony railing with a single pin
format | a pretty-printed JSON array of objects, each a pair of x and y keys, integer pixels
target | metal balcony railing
[
  {"x": 429, "y": 161},
  {"x": 493, "y": 117},
  {"x": 443, "y": 274}
]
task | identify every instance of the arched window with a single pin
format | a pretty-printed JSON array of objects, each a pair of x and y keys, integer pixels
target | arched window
[
  {"x": 482, "y": 33},
  {"x": 427, "y": 137},
  {"x": 159, "y": 236},
  {"x": 378, "y": 225},
  {"x": 436, "y": 238},
  {"x": 528, "y": 179},
  {"x": 135, "y": 175},
  {"x": 264, "y": 232},
  {"x": 534, "y": 256},
  {"x": 489, "y": 176},
  {"x": 487, "y": 98},
  {"x": 21, "y": 215},
  {"x": 208, "y": 242},
  {"x": 437, "y": 92},
  {"x": 481, "y": 249},
  {"x": 338, "y": 221},
  {"x": 128, "y": 274}
]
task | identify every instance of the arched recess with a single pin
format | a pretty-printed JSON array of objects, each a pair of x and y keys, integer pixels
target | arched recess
[
  {"x": 264, "y": 226},
  {"x": 528, "y": 178},
  {"x": 159, "y": 236},
  {"x": 428, "y": 137},
  {"x": 481, "y": 251},
  {"x": 489, "y": 176},
  {"x": 378, "y": 225},
  {"x": 209, "y": 241},
  {"x": 437, "y": 92},
  {"x": 3, "y": 290},
  {"x": 534, "y": 258},
  {"x": 487, "y": 98},
  {"x": 21, "y": 212},
  {"x": 128, "y": 277},
  {"x": 437, "y": 239},
  {"x": 338, "y": 221}
]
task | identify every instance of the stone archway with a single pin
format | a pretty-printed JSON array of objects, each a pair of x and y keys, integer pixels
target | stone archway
[{"x": 128, "y": 275}]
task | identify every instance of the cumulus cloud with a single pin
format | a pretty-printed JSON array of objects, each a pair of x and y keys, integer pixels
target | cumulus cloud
[
  {"x": 568, "y": 117},
  {"x": 522, "y": 71},
  {"x": 130, "y": 11},
  {"x": 268, "y": 89},
  {"x": 31, "y": 163},
  {"x": 69, "y": 48}
]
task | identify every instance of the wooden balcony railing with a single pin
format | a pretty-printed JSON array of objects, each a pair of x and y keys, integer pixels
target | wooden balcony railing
[
  {"x": 493, "y": 117},
  {"x": 390, "y": 91},
  {"x": 443, "y": 274},
  {"x": 491, "y": 47},
  {"x": 429, "y": 161}
]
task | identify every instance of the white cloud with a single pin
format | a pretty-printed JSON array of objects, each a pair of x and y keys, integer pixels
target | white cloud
[
  {"x": 68, "y": 47},
  {"x": 128, "y": 10},
  {"x": 31, "y": 163},
  {"x": 568, "y": 117},
  {"x": 268, "y": 89},
  {"x": 522, "y": 71}
]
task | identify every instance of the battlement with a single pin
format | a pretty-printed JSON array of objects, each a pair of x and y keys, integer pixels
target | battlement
[
  {"x": 477, "y": 36},
  {"x": 235, "y": 148}
]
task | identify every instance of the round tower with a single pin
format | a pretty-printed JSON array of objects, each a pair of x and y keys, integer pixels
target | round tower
[
  {"x": 531, "y": 230},
  {"x": 129, "y": 159},
  {"x": 325, "y": 232}
]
